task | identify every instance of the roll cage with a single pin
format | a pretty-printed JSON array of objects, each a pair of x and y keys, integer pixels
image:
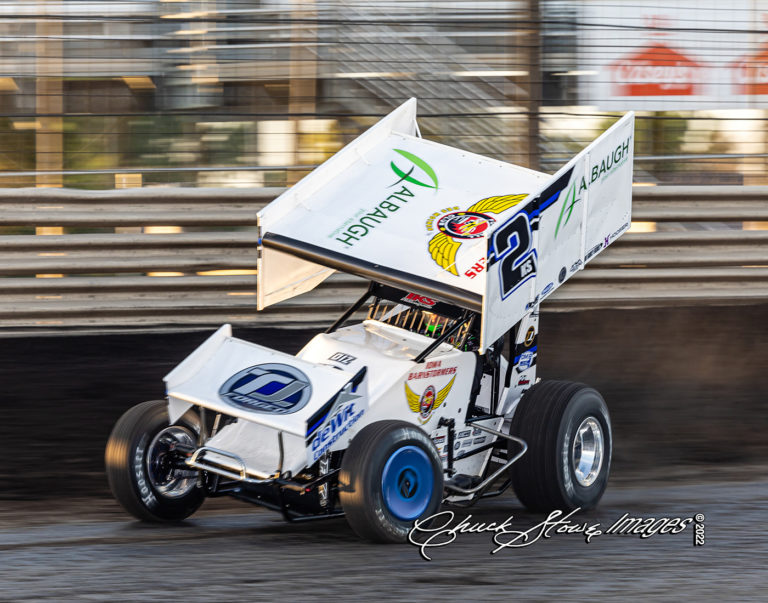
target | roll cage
[{"x": 432, "y": 318}]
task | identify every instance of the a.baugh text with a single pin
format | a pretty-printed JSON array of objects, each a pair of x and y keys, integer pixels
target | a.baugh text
[{"x": 440, "y": 530}]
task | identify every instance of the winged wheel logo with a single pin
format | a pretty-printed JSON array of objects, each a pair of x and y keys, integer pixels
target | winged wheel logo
[
  {"x": 456, "y": 227},
  {"x": 428, "y": 401}
]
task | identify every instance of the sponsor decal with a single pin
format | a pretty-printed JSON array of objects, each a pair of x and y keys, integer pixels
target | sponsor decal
[
  {"x": 609, "y": 164},
  {"x": 324, "y": 466},
  {"x": 366, "y": 220},
  {"x": 478, "y": 440},
  {"x": 593, "y": 251},
  {"x": 576, "y": 265},
  {"x": 429, "y": 400},
  {"x": 464, "y": 224},
  {"x": 342, "y": 358},
  {"x": 530, "y": 335},
  {"x": 466, "y": 443},
  {"x": 567, "y": 209},
  {"x": 464, "y": 434},
  {"x": 547, "y": 289},
  {"x": 600, "y": 171},
  {"x": 457, "y": 445},
  {"x": 561, "y": 276},
  {"x": 476, "y": 268},
  {"x": 407, "y": 176},
  {"x": 342, "y": 411},
  {"x": 433, "y": 369},
  {"x": 525, "y": 361},
  {"x": 524, "y": 380},
  {"x": 455, "y": 227},
  {"x": 438, "y": 439},
  {"x": 476, "y": 431},
  {"x": 511, "y": 244},
  {"x": 271, "y": 388},
  {"x": 512, "y": 247},
  {"x": 419, "y": 300},
  {"x": 139, "y": 472},
  {"x": 619, "y": 230},
  {"x": 336, "y": 426}
]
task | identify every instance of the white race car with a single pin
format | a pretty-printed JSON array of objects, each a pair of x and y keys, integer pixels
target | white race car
[{"x": 433, "y": 397}]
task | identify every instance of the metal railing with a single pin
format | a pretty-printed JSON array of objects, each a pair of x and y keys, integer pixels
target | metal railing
[{"x": 204, "y": 274}]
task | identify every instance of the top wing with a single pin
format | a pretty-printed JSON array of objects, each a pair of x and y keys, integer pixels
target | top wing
[
  {"x": 390, "y": 207},
  {"x": 581, "y": 210},
  {"x": 465, "y": 229}
]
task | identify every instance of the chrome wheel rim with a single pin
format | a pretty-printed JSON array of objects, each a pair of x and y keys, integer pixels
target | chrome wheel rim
[
  {"x": 588, "y": 451},
  {"x": 167, "y": 479}
]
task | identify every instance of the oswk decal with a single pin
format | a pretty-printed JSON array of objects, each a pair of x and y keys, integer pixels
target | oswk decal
[
  {"x": 419, "y": 300},
  {"x": 271, "y": 388},
  {"x": 342, "y": 358}
]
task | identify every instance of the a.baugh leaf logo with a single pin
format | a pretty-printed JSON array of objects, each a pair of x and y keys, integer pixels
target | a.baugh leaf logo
[
  {"x": 567, "y": 209},
  {"x": 459, "y": 226},
  {"x": 428, "y": 401},
  {"x": 418, "y": 173},
  {"x": 408, "y": 176}
]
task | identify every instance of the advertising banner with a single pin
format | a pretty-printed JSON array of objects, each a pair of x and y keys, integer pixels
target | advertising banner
[{"x": 690, "y": 54}]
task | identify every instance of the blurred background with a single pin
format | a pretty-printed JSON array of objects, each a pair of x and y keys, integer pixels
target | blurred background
[
  {"x": 142, "y": 137},
  {"x": 180, "y": 119},
  {"x": 235, "y": 93}
]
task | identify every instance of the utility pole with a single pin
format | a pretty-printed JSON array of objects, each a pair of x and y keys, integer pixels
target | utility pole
[
  {"x": 49, "y": 99},
  {"x": 533, "y": 104},
  {"x": 302, "y": 83},
  {"x": 49, "y": 107}
]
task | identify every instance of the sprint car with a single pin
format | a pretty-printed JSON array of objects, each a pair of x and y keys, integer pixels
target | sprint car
[{"x": 432, "y": 398}]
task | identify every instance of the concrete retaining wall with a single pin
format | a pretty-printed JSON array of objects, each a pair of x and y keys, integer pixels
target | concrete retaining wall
[{"x": 683, "y": 385}]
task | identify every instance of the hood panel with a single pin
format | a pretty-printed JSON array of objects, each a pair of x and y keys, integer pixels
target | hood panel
[{"x": 256, "y": 383}]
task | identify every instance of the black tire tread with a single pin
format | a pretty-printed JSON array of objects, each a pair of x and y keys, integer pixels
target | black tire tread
[
  {"x": 533, "y": 477},
  {"x": 357, "y": 508},
  {"x": 117, "y": 460}
]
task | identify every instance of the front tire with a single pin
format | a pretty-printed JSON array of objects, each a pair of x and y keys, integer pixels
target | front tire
[
  {"x": 141, "y": 467},
  {"x": 568, "y": 431},
  {"x": 391, "y": 475}
]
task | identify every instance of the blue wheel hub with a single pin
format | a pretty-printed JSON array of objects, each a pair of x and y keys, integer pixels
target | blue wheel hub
[{"x": 407, "y": 482}]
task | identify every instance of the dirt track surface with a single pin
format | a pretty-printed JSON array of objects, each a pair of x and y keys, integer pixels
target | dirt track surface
[{"x": 235, "y": 552}]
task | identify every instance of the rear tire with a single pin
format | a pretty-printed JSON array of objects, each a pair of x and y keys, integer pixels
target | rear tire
[
  {"x": 139, "y": 468},
  {"x": 568, "y": 431},
  {"x": 391, "y": 475}
]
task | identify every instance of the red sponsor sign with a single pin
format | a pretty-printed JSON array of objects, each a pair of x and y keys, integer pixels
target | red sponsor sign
[
  {"x": 656, "y": 70},
  {"x": 750, "y": 73}
]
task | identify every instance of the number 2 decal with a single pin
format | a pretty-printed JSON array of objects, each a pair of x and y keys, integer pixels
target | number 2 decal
[{"x": 512, "y": 245}]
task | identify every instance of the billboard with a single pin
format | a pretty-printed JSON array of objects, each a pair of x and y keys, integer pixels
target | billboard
[{"x": 690, "y": 54}]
